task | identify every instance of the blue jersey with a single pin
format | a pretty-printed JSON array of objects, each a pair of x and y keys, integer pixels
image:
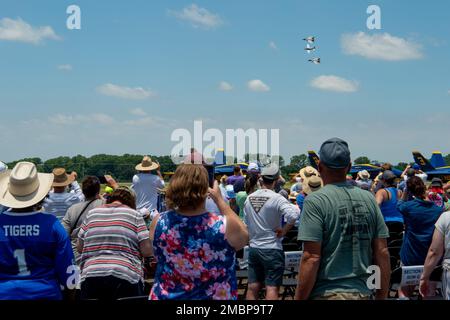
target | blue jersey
[{"x": 36, "y": 256}]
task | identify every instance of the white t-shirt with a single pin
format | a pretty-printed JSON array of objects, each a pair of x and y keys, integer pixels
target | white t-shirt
[
  {"x": 422, "y": 176},
  {"x": 264, "y": 211},
  {"x": 146, "y": 186},
  {"x": 443, "y": 226}
]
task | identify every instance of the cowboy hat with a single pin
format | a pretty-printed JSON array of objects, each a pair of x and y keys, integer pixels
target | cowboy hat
[
  {"x": 307, "y": 172},
  {"x": 147, "y": 165},
  {"x": 312, "y": 184},
  {"x": 364, "y": 174},
  {"x": 61, "y": 178},
  {"x": 23, "y": 186}
]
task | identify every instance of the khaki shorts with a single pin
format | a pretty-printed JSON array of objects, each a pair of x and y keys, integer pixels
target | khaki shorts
[{"x": 343, "y": 296}]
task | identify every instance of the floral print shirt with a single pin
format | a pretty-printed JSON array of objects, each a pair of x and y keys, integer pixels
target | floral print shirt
[{"x": 194, "y": 260}]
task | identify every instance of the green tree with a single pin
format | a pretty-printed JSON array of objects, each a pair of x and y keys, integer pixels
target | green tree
[
  {"x": 447, "y": 159},
  {"x": 300, "y": 161},
  {"x": 35, "y": 160},
  {"x": 401, "y": 165},
  {"x": 362, "y": 160}
]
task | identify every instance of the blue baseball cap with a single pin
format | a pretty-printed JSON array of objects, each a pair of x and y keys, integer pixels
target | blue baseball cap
[
  {"x": 416, "y": 166},
  {"x": 334, "y": 153}
]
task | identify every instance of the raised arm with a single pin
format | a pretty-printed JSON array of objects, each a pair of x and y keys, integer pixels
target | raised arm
[{"x": 236, "y": 231}]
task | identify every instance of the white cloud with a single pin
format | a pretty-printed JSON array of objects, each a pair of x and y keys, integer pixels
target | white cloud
[
  {"x": 334, "y": 83},
  {"x": 113, "y": 90},
  {"x": 198, "y": 17},
  {"x": 65, "y": 67},
  {"x": 258, "y": 86},
  {"x": 99, "y": 118},
  {"x": 19, "y": 30},
  {"x": 225, "y": 86},
  {"x": 273, "y": 45},
  {"x": 380, "y": 47},
  {"x": 146, "y": 121},
  {"x": 70, "y": 120},
  {"x": 138, "y": 112}
]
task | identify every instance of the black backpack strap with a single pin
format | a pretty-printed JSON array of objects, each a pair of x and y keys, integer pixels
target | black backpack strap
[{"x": 79, "y": 216}]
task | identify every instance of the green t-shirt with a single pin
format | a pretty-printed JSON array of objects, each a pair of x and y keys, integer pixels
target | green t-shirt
[
  {"x": 240, "y": 201},
  {"x": 345, "y": 219}
]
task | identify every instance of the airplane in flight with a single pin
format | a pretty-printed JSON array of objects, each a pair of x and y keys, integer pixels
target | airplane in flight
[
  {"x": 310, "y": 49},
  {"x": 315, "y": 60},
  {"x": 374, "y": 170},
  {"x": 310, "y": 39},
  {"x": 435, "y": 167}
]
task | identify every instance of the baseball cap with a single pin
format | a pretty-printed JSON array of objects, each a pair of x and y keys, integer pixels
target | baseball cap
[
  {"x": 410, "y": 173},
  {"x": 416, "y": 166},
  {"x": 388, "y": 175},
  {"x": 436, "y": 182},
  {"x": 253, "y": 167},
  {"x": 334, "y": 153},
  {"x": 271, "y": 172},
  {"x": 230, "y": 192}
]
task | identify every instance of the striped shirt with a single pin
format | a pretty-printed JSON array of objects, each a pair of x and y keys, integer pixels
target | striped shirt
[
  {"x": 58, "y": 203},
  {"x": 111, "y": 235}
]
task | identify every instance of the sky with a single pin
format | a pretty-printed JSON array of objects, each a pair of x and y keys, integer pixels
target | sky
[{"x": 138, "y": 70}]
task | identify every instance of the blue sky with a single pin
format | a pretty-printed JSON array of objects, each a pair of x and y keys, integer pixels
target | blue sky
[{"x": 137, "y": 70}]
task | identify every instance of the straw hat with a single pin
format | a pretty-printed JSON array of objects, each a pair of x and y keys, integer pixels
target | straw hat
[
  {"x": 308, "y": 172},
  {"x": 147, "y": 165},
  {"x": 61, "y": 178},
  {"x": 364, "y": 174},
  {"x": 24, "y": 187},
  {"x": 312, "y": 184}
]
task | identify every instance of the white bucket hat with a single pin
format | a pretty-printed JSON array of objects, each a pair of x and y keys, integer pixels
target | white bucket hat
[
  {"x": 364, "y": 174},
  {"x": 24, "y": 187}
]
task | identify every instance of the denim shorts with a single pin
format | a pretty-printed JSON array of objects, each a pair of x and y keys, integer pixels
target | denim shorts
[{"x": 266, "y": 266}]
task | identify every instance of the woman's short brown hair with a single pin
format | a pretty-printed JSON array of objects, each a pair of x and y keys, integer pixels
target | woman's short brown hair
[
  {"x": 416, "y": 187},
  {"x": 188, "y": 187},
  {"x": 125, "y": 196}
]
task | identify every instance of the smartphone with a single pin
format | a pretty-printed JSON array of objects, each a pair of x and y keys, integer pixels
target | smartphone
[
  {"x": 211, "y": 171},
  {"x": 102, "y": 179}
]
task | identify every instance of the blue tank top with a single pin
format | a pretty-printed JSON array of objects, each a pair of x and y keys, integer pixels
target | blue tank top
[
  {"x": 389, "y": 208},
  {"x": 195, "y": 261}
]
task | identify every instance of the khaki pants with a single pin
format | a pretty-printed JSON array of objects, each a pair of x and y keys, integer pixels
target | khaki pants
[{"x": 343, "y": 296}]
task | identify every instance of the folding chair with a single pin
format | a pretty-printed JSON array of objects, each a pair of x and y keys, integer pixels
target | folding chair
[
  {"x": 394, "y": 248},
  {"x": 394, "y": 285},
  {"x": 292, "y": 263}
]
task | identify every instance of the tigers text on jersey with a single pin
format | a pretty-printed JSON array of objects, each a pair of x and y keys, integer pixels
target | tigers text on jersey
[{"x": 36, "y": 256}]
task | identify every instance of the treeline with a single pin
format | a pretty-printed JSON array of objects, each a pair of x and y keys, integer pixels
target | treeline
[{"x": 122, "y": 167}]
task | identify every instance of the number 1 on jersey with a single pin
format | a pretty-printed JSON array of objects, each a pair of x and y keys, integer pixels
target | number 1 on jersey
[{"x": 19, "y": 254}]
